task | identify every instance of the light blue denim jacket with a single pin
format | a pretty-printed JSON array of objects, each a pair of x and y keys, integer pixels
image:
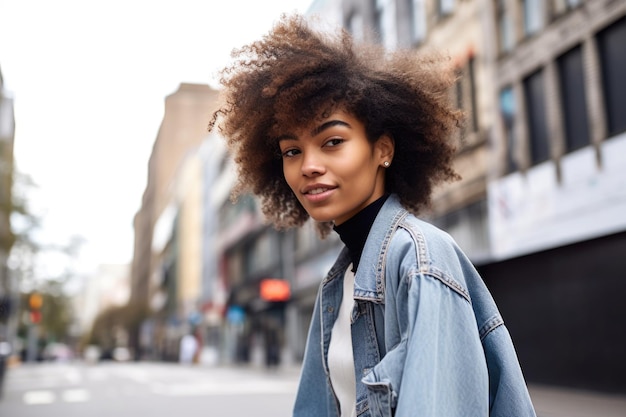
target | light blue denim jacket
[{"x": 428, "y": 339}]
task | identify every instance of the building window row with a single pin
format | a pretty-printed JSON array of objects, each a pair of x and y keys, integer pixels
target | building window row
[
  {"x": 611, "y": 48},
  {"x": 573, "y": 105},
  {"x": 465, "y": 96},
  {"x": 573, "y": 99},
  {"x": 520, "y": 19},
  {"x": 386, "y": 13}
]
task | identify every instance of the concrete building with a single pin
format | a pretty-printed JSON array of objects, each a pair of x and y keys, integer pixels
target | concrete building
[
  {"x": 557, "y": 190},
  {"x": 186, "y": 117}
]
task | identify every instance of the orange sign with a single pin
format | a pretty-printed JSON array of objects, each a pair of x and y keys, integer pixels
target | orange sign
[{"x": 273, "y": 289}]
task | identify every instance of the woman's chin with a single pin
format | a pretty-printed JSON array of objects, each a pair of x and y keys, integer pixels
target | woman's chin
[{"x": 321, "y": 219}]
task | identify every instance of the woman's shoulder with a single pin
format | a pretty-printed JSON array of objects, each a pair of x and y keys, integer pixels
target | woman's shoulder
[
  {"x": 424, "y": 233},
  {"x": 432, "y": 248}
]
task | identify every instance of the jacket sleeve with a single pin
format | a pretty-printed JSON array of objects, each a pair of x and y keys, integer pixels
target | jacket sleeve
[
  {"x": 438, "y": 367},
  {"x": 508, "y": 394},
  {"x": 312, "y": 396},
  {"x": 440, "y": 362}
]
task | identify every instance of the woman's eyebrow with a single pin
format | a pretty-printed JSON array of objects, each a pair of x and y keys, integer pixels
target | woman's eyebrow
[
  {"x": 327, "y": 125},
  {"x": 316, "y": 131},
  {"x": 286, "y": 137}
]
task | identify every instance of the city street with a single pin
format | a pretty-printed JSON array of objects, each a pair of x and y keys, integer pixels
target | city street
[
  {"x": 165, "y": 390},
  {"x": 149, "y": 389}
]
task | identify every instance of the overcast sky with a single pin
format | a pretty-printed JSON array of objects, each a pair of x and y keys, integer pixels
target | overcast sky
[{"x": 89, "y": 79}]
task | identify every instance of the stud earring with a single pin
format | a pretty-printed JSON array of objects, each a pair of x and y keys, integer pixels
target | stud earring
[{"x": 386, "y": 164}]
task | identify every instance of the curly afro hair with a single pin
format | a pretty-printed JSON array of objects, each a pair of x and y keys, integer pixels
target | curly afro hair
[{"x": 295, "y": 75}]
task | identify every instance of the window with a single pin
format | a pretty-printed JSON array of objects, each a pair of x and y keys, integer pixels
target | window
[
  {"x": 573, "y": 99},
  {"x": 506, "y": 40},
  {"x": 418, "y": 20},
  {"x": 386, "y": 23},
  {"x": 465, "y": 95},
  {"x": 355, "y": 26},
  {"x": 445, "y": 7},
  {"x": 533, "y": 16},
  {"x": 536, "y": 118},
  {"x": 562, "y": 6},
  {"x": 611, "y": 43},
  {"x": 507, "y": 112}
]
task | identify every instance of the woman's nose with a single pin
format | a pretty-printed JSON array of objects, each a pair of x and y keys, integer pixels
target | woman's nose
[{"x": 312, "y": 164}]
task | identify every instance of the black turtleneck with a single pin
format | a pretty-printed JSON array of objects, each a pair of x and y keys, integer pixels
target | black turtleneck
[{"x": 353, "y": 232}]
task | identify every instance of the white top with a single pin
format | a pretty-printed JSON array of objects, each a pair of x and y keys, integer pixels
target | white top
[{"x": 340, "y": 357}]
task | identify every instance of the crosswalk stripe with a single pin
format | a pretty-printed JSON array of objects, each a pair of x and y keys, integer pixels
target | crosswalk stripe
[
  {"x": 222, "y": 388},
  {"x": 39, "y": 397},
  {"x": 75, "y": 395}
]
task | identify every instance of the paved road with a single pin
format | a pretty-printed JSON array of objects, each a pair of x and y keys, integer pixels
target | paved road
[
  {"x": 173, "y": 390},
  {"x": 150, "y": 389}
]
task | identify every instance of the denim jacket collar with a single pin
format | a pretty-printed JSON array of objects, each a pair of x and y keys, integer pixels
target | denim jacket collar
[{"x": 369, "y": 282}]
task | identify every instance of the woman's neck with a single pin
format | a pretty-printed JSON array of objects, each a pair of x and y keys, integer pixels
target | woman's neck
[{"x": 354, "y": 231}]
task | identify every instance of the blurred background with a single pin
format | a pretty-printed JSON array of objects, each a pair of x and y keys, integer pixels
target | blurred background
[{"x": 127, "y": 273}]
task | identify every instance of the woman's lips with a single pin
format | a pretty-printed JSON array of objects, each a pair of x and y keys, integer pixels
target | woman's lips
[{"x": 318, "y": 194}]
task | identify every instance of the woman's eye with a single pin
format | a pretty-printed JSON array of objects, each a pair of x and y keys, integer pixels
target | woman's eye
[
  {"x": 334, "y": 142},
  {"x": 290, "y": 152}
]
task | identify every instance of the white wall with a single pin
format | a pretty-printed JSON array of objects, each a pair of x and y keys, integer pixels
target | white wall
[{"x": 533, "y": 211}]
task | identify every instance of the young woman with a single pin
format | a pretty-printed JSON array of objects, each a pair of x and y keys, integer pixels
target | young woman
[{"x": 356, "y": 138}]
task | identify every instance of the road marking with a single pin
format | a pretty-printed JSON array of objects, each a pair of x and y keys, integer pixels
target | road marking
[
  {"x": 74, "y": 377},
  {"x": 220, "y": 388},
  {"x": 78, "y": 395},
  {"x": 39, "y": 397}
]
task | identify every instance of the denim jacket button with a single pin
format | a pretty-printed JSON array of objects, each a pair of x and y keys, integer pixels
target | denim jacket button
[{"x": 330, "y": 309}]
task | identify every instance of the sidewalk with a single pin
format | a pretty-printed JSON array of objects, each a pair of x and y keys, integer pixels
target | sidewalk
[
  {"x": 549, "y": 401},
  {"x": 562, "y": 402}
]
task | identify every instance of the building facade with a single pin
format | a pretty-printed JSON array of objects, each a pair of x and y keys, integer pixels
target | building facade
[
  {"x": 557, "y": 188},
  {"x": 154, "y": 286}
]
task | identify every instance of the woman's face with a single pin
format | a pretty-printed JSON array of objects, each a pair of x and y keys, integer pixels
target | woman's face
[{"x": 333, "y": 169}]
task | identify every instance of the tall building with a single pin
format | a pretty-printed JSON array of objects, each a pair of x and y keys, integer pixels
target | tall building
[
  {"x": 557, "y": 190},
  {"x": 186, "y": 117}
]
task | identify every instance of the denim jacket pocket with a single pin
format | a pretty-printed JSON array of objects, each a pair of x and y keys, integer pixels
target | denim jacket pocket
[{"x": 381, "y": 397}]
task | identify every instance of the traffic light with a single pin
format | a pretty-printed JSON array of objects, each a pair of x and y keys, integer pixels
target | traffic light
[{"x": 35, "y": 302}]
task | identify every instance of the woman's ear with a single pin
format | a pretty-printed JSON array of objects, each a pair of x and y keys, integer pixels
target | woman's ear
[{"x": 384, "y": 148}]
